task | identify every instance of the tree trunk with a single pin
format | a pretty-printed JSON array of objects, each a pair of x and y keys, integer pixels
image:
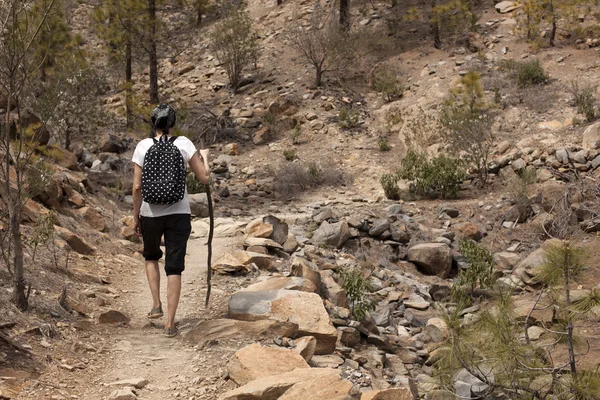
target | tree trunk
[
  {"x": 570, "y": 345},
  {"x": 318, "y": 76},
  {"x": 128, "y": 83},
  {"x": 153, "y": 58},
  {"x": 553, "y": 30},
  {"x": 435, "y": 26},
  {"x": 19, "y": 296},
  {"x": 199, "y": 16},
  {"x": 345, "y": 15},
  {"x": 13, "y": 203}
]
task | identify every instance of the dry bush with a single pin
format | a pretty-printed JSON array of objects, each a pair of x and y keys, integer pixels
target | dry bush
[{"x": 296, "y": 177}]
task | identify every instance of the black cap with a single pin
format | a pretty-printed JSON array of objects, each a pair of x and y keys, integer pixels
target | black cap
[{"x": 163, "y": 117}]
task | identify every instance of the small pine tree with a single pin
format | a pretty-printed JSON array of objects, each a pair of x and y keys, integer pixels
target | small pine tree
[
  {"x": 235, "y": 45},
  {"x": 497, "y": 350}
]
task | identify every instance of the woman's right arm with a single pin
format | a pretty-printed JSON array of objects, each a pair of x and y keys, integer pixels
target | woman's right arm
[{"x": 199, "y": 169}]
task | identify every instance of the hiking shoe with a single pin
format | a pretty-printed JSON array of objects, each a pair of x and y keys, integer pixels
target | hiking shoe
[
  {"x": 155, "y": 313},
  {"x": 170, "y": 332}
]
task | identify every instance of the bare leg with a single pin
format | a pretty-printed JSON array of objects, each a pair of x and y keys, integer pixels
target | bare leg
[
  {"x": 153, "y": 275},
  {"x": 173, "y": 292}
]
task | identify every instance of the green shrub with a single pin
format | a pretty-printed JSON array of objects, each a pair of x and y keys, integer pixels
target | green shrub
[
  {"x": 390, "y": 186},
  {"x": 383, "y": 144},
  {"x": 531, "y": 73},
  {"x": 269, "y": 119},
  {"x": 440, "y": 176},
  {"x": 528, "y": 73},
  {"x": 585, "y": 100},
  {"x": 386, "y": 83},
  {"x": 194, "y": 185},
  {"x": 43, "y": 231},
  {"x": 357, "y": 290},
  {"x": 289, "y": 154},
  {"x": 348, "y": 118},
  {"x": 480, "y": 270},
  {"x": 296, "y": 134}
]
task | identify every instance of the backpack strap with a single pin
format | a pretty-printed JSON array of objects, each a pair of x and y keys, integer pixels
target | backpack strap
[
  {"x": 172, "y": 139},
  {"x": 155, "y": 141}
]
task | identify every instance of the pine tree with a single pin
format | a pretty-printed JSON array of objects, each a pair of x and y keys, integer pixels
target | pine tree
[
  {"x": 534, "y": 13},
  {"x": 120, "y": 24},
  {"x": 496, "y": 349},
  {"x": 54, "y": 39}
]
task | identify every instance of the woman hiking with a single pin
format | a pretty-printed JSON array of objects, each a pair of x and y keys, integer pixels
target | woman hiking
[{"x": 161, "y": 206}]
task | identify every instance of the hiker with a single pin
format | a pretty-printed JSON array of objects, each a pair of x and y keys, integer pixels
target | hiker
[{"x": 161, "y": 206}]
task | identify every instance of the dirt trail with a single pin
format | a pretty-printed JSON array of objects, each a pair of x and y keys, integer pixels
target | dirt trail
[{"x": 174, "y": 369}]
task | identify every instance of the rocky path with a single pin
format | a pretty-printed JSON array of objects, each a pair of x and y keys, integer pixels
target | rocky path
[{"x": 157, "y": 367}]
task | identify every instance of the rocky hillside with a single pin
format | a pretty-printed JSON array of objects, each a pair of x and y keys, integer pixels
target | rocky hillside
[{"x": 326, "y": 289}]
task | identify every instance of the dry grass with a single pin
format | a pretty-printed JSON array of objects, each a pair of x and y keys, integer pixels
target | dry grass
[{"x": 296, "y": 177}]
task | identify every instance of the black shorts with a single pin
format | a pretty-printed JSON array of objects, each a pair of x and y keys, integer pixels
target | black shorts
[{"x": 176, "y": 229}]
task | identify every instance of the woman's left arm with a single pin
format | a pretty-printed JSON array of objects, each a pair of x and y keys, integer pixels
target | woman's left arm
[{"x": 137, "y": 198}]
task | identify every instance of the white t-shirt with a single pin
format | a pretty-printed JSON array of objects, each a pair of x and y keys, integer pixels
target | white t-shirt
[{"x": 187, "y": 149}]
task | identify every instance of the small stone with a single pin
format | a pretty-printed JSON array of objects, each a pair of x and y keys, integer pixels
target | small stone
[{"x": 137, "y": 383}]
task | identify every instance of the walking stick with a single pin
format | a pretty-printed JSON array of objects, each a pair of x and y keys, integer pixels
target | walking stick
[{"x": 211, "y": 230}]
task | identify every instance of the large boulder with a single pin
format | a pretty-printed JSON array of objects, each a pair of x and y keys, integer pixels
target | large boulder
[
  {"x": 239, "y": 262},
  {"x": 258, "y": 229},
  {"x": 388, "y": 394},
  {"x": 302, "y": 308},
  {"x": 300, "y": 384},
  {"x": 256, "y": 361},
  {"x": 113, "y": 144},
  {"x": 220, "y": 329},
  {"x": 283, "y": 283},
  {"x": 432, "y": 258},
  {"x": 334, "y": 234}
]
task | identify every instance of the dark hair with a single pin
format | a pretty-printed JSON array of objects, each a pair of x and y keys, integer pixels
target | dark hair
[{"x": 162, "y": 117}]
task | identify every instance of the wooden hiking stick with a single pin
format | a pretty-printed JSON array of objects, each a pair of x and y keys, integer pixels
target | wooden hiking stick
[{"x": 211, "y": 231}]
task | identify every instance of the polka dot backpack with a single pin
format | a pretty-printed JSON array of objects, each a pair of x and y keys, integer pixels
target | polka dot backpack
[{"x": 163, "y": 174}]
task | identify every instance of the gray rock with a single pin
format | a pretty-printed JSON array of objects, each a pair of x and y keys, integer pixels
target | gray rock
[
  {"x": 562, "y": 156},
  {"x": 466, "y": 385},
  {"x": 137, "y": 383},
  {"x": 280, "y": 229},
  {"x": 199, "y": 205},
  {"x": 382, "y": 316},
  {"x": 326, "y": 361},
  {"x": 334, "y": 234},
  {"x": 591, "y": 137},
  {"x": 394, "y": 209},
  {"x": 113, "y": 144},
  {"x": 400, "y": 236},
  {"x": 379, "y": 227},
  {"x": 450, "y": 211},
  {"x": 122, "y": 394},
  {"x": 320, "y": 215},
  {"x": 519, "y": 164}
]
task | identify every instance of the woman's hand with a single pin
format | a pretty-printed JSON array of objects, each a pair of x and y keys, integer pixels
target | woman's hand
[{"x": 137, "y": 227}]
